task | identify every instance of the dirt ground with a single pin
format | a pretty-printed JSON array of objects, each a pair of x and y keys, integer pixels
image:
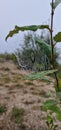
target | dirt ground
[{"x": 23, "y": 94}]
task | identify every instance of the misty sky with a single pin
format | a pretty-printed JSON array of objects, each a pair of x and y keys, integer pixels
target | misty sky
[{"x": 24, "y": 12}]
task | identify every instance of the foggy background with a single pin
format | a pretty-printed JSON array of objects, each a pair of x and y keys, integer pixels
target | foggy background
[{"x": 21, "y": 13}]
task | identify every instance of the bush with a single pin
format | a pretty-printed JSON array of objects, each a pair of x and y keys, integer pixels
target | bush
[{"x": 32, "y": 56}]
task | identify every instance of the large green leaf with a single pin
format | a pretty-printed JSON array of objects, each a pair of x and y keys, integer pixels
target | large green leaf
[
  {"x": 56, "y": 3},
  {"x": 57, "y": 37},
  {"x": 26, "y": 28},
  {"x": 40, "y": 75},
  {"x": 44, "y": 45}
]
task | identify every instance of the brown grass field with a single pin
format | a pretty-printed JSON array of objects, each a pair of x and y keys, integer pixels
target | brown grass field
[{"x": 21, "y": 100}]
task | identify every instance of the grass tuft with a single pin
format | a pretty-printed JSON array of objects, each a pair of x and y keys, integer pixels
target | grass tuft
[
  {"x": 17, "y": 115},
  {"x": 3, "y": 108}
]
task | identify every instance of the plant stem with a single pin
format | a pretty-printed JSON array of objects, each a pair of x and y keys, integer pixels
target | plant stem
[
  {"x": 52, "y": 44},
  {"x": 52, "y": 14}
]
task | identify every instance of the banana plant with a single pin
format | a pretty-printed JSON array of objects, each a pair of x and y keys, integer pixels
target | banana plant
[
  {"x": 54, "y": 40},
  {"x": 26, "y": 28}
]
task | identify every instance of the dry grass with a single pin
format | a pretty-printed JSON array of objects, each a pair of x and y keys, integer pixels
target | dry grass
[{"x": 22, "y": 95}]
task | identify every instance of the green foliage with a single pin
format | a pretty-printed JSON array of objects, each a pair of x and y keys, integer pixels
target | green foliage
[
  {"x": 40, "y": 75},
  {"x": 52, "y": 106},
  {"x": 56, "y": 3},
  {"x": 48, "y": 119},
  {"x": 58, "y": 115},
  {"x": 3, "y": 109},
  {"x": 59, "y": 74},
  {"x": 17, "y": 114},
  {"x": 57, "y": 37},
  {"x": 50, "y": 122},
  {"x": 58, "y": 94},
  {"x": 10, "y": 57},
  {"x": 59, "y": 84},
  {"x": 34, "y": 55},
  {"x": 44, "y": 45},
  {"x": 49, "y": 103},
  {"x": 26, "y": 28},
  {"x": 2, "y": 56}
]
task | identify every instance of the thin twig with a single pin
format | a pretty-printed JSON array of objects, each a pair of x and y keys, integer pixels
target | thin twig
[{"x": 52, "y": 44}]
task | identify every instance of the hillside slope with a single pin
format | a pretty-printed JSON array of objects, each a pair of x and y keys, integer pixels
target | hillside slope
[{"x": 21, "y": 100}]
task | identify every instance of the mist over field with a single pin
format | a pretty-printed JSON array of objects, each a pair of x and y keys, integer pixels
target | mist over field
[{"x": 24, "y": 13}]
